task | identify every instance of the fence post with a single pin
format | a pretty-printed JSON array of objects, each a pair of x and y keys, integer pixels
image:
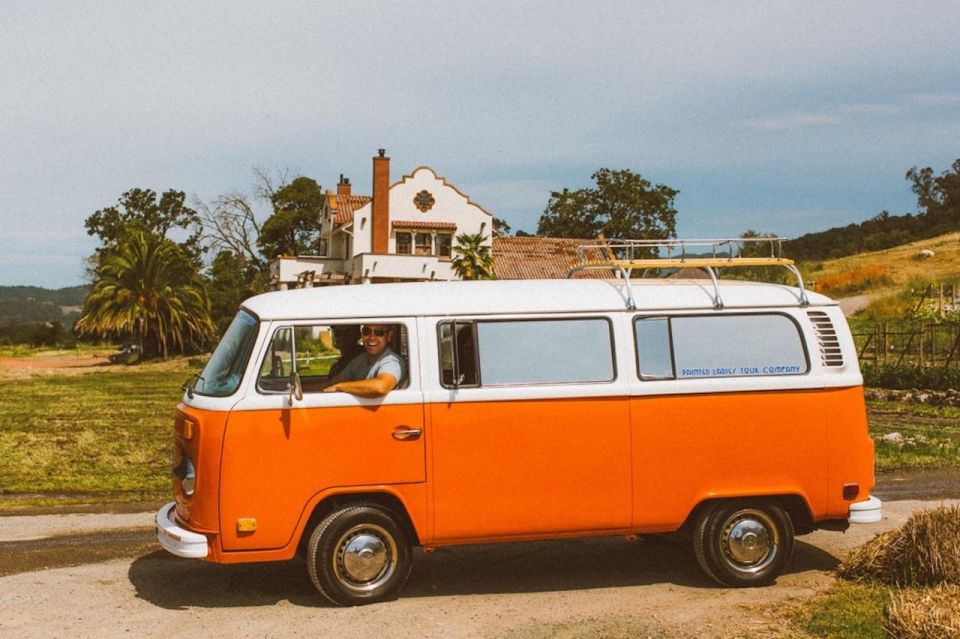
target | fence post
[
  {"x": 876, "y": 345},
  {"x": 923, "y": 338},
  {"x": 886, "y": 344}
]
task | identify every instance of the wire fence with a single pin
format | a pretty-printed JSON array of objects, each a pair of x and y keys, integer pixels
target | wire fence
[{"x": 923, "y": 344}]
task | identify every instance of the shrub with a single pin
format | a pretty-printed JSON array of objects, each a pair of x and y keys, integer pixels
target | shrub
[
  {"x": 889, "y": 307},
  {"x": 853, "y": 281},
  {"x": 910, "y": 376},
  {"x": 925, "y": 551},
  {"x": 924, "y": 614}
]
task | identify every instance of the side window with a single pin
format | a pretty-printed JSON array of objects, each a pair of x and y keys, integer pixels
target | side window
[
  {"x": 684, "y": 347},
  {"x": 653, "y": 345},
  {"x": 318, "y": 353},
  {"x": 500, "y": 353},
  {"x": 458, "y": 354}
]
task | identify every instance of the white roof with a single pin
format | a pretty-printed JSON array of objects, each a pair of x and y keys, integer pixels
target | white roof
[{"x": 516, "y": 296}]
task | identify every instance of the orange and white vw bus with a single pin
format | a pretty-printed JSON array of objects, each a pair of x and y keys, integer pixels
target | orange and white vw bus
[{"x": 530, "y": 410}]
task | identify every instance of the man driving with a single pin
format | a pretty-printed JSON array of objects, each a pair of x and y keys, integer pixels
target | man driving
[{"x": 376, "y": 371}]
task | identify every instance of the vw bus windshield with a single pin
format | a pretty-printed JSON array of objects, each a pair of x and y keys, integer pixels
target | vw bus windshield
[{"x": 222, "y": 374}]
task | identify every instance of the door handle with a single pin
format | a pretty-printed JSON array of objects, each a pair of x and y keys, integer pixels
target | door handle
[{"x": 405, "y": 433}]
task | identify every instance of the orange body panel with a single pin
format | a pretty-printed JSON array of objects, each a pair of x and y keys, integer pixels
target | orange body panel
[
  {"x": 688, "y": 448},
  {"x": 507, "y": 469},
  {"x": 205, "y": 429},
  {"x": 850, "y": 450},
  {"x": 276, "y": 462},
  {"x": 487, "y": 471}
]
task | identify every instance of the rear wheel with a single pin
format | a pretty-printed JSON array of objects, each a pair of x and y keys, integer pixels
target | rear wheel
[
  {"x": 358, "y": 555},
  {"x": 743, "y": 543}
]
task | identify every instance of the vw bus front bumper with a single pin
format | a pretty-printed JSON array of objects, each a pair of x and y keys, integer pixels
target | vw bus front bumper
[{"x": 176, "y": 539}]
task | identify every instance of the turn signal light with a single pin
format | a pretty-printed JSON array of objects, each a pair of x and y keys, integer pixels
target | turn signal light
[{"x": 246, "y": 524}]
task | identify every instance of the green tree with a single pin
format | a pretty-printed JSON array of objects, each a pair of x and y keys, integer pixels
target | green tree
[
  {"x": 622, "y": 205},
  {"x": 472, "y": 260},
  {"x": 140, "y": 210},
  {"x": 938, "y": 197},
  {"x": 148, "y": 288},
  {"x": 501, "y": 228},
  {"x": 232, "y": 279},
  {"x": 294, "y": 227}
]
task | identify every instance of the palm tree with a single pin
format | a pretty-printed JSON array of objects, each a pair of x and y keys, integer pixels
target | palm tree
[
  {"x": 473, "y": 260},
  {"x": 147, "y": 288}
]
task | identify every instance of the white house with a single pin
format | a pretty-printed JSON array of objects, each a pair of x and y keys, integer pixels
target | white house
[{"x": 404, "y": 232}]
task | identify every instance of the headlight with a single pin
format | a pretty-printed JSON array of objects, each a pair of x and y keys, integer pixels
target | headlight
[
  {"x": 189, "y": 481},
  {"x": 187, "y": 475}
]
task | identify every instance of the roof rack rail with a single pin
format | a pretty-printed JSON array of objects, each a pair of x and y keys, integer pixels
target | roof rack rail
[{"x": 623, "y": 256}]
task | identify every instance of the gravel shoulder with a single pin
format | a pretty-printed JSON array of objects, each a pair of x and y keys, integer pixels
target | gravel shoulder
[{"x": 591, "y": 587}]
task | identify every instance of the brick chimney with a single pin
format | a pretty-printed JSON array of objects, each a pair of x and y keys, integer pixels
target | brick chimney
[
  {"x": 380, "y": 216},
  {"x": 343, "y": 186}
]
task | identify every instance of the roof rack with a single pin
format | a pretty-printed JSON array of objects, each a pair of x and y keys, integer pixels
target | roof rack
[{"x": 624, "y": 256}]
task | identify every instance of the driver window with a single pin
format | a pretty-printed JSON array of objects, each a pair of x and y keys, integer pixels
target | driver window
[{"x": 317, "y": 352}]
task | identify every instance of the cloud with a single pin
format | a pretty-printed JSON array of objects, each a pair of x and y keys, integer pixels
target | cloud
[
  {"x": 845, "y": 112},
  {"x": 867, "y": 108},
  {"x": 936, "y": 99},
  {"x": 799, "y": 120},
  {"x": 45, "y": 235}
]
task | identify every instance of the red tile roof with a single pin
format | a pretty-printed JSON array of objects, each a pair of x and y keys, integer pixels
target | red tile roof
[
  {"x": 423, "y": 224},
  {"x": 343, "y": 206},
  {"x": 516, "y": 258}
]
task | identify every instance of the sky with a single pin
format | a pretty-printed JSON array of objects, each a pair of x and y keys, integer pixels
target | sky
[{"x": 781, "y": 117}]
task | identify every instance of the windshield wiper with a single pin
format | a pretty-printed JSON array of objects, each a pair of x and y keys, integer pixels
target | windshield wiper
[{"x": 188, "y": 386}]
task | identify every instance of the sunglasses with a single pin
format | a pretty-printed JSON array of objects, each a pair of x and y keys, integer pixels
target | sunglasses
[{"x": 366, "y": 331}]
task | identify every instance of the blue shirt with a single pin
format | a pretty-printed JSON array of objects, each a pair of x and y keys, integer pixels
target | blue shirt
[{"x": 388, "y": 362}]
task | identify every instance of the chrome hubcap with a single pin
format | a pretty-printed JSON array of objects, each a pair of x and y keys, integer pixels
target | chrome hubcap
[
  {"x": 749, "y": 541},
  {"x": 366, "y": 558}
]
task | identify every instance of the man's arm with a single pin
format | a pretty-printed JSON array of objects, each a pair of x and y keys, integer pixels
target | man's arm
[{"x": 375, "y": 387}]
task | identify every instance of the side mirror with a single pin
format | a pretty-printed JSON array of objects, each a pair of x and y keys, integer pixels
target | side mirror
[{"x": 296, "y": 387}]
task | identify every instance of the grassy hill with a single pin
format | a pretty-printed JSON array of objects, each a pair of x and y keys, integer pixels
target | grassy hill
[
  {"x": 29, "y": 304},
  {"x": 889, "y": 275}
]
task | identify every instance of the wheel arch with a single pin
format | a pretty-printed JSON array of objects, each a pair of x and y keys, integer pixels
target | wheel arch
[
  {"x": 794, "y": 504},
  {"x": 330, "y": 503}
]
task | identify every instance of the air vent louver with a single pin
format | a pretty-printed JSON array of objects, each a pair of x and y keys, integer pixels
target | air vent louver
[{"x": 830, "y": 353}]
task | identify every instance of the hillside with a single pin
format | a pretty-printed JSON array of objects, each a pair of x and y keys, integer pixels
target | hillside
[
  {"x": 887, "y": 276},
  {"x": 23, "y": 304}
]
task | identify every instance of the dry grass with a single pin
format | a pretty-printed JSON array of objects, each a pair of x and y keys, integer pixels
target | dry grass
[
  {"x": 901, "y": 262},
  {"x": 924, "y": 614},
  {"x": 853, "y": 281},
  {"x": 924, "y": 552}
]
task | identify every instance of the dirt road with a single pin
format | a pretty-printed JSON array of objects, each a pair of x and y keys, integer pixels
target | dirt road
[{"x": 596, "y": 587}]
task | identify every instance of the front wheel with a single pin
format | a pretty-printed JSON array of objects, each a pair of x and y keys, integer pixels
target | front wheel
[
  {"x": 743, "y": 543},
  {"x": 358, "y": 555}
]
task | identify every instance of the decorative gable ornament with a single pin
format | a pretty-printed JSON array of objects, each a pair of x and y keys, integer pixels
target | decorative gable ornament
[{"x": 424, "y": 200}]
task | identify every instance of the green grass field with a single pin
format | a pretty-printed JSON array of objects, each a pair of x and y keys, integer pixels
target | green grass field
[
  {"x": 929, "y": 435},
  {"x": 24, "y": 350},
  {"x": 103, "y": 436},
  {"x": 846, "y": 611},
  {"x": 106, "y": 436}
]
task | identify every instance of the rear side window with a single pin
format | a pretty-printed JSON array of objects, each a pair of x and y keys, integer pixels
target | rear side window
[
  {"x": 685, "y": 347},
  {"x": 507, "y": 353}
]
